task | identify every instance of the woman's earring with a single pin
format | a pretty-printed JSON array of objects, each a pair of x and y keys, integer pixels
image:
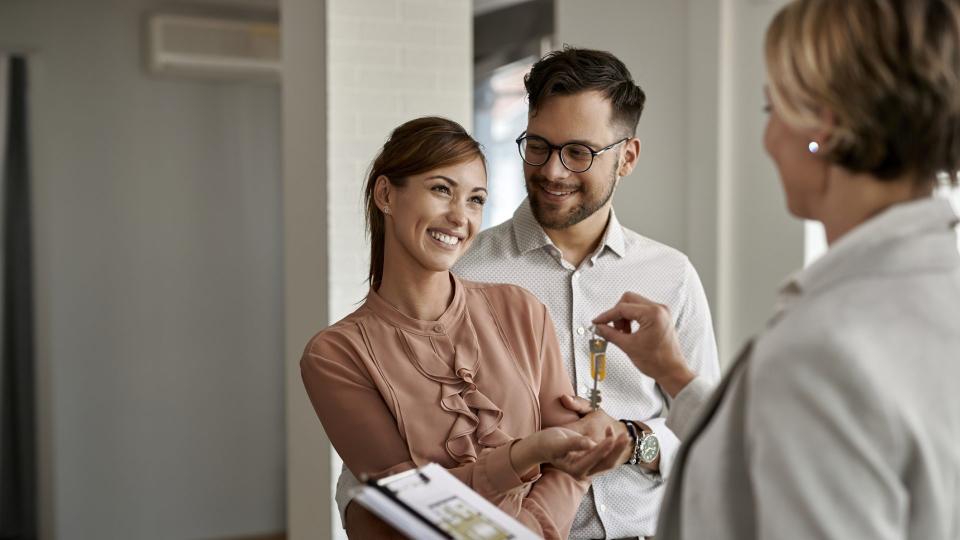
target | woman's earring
[
  {"x": 813, "y": 147},
  {"x": 386, "y": 209}
]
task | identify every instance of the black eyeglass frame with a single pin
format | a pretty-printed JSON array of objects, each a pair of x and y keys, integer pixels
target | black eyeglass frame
[{"x": 559, "y": 148}]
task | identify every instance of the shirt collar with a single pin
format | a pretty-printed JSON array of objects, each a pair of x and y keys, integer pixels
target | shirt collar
[
  {"x": 868, "y": 248},
  {"x": 529, "y": 234},
  {"x": 613, "y": 237},
  {"x": 394, "y": 317}
]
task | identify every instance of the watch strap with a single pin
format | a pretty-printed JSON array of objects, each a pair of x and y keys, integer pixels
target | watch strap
[{"x": 635, "y": 438}]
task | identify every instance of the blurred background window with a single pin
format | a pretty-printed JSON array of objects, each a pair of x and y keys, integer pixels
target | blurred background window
[
  {"x": 500, "y": 115},
  {"x": 509, "y": 36}
]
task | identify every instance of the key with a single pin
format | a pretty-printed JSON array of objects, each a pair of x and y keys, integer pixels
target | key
[{"x": 598, "y": 366}]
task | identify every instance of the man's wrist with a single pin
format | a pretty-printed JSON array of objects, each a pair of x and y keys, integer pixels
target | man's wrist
[
  {"x": 619, "y": 429},
  {"x": 634, "y": 431},
  {"x": 642, "y": 429}
]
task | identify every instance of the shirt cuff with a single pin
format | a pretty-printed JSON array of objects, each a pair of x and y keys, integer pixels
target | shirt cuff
[
  {"x": 345, "y": 486},
  {"x": 495, "y": 473},
  {"x": 687, "y": 404}
]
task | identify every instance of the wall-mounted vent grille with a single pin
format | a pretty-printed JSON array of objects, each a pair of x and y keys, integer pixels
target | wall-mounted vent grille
[{"x": 210, "y": 47}]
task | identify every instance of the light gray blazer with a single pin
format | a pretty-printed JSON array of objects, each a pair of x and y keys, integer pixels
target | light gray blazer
[{"x": 842, "y": 420}]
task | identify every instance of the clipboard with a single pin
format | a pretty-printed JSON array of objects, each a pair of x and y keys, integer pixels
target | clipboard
[{"x": 430, "y": 503}]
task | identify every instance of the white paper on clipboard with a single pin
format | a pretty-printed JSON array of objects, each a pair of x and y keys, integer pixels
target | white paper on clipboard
[{"x": 430, "y": 503}]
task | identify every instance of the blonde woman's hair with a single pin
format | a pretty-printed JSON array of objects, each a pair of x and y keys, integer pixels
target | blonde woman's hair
[{"x": 887, "y": 70}]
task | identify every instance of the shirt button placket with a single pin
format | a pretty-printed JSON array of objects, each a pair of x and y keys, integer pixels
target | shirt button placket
[{"x": 579, "y": 334}]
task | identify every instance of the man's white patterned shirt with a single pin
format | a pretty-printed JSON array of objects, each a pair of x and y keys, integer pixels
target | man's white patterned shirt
[{"x": 624, "y": 502}]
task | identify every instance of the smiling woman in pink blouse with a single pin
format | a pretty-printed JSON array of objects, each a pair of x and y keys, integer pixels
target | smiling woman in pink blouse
[{"x": 434, "y": 369}]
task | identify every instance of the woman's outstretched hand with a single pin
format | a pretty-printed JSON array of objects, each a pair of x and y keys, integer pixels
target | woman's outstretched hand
[
  {"x": 601, "y": 457},
  {"x": 567, "y": 450}
]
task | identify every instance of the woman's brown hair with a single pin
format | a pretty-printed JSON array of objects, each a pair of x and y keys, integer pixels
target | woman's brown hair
[
  {"x": 888, "y": 71},
  {"x": 415, "y": 147}
]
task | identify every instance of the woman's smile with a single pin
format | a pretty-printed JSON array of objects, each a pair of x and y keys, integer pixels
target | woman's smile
[{"x": 446, "y": 239}]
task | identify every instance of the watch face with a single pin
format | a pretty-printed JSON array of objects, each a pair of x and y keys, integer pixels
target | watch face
[{"x": 649, "y": 449}]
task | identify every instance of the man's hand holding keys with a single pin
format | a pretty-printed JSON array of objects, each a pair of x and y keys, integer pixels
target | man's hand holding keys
[{"x": 651, "y": 345}]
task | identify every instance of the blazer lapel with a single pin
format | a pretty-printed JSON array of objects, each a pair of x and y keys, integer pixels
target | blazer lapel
[{"x": 669, "y": 526}]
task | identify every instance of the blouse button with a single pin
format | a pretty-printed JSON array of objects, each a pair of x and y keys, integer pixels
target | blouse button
[{"x": 438, "y": 329}]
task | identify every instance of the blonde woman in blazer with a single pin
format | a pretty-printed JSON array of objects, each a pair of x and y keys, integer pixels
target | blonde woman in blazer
[{"x": 841, "y": 419}]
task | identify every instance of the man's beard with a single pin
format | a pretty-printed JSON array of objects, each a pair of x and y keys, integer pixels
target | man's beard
[{"x": 590, "y": 202}]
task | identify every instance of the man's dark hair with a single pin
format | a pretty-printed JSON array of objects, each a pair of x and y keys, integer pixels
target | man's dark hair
[{"x": 572, "y": 70}]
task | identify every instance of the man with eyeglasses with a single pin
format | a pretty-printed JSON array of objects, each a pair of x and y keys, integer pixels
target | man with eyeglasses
[{"x": 565, "y": 245}]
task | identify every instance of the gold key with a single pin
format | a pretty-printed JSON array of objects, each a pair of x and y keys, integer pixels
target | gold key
[{"x": 598, "y": 366}]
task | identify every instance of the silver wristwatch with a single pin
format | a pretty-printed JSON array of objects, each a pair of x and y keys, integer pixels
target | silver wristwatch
[
  {"x": 647, "y": 448},
  {"x": 646, "y": 445}
]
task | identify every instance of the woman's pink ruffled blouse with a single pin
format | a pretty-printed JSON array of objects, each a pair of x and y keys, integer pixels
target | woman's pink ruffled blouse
[{"x": 394, "y": 393}]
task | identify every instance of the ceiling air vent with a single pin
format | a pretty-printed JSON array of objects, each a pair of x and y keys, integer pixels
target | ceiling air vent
[{"x": 213, "y": 47}]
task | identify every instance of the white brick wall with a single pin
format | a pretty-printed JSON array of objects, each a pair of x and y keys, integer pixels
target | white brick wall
[{"x": 388, "y": 61}]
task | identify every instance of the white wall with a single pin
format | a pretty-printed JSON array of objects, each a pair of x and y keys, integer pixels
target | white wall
[
  {"x": 703, "y": 184},
  {"x": 354, "y": 70},
  {"x": 159, "y": 286},
  {"x": 760, "y": 243},
  {"x": 650, "y": 37},
  {"x": 305, "y": 243},
  {"x": 389, "y": 61}
]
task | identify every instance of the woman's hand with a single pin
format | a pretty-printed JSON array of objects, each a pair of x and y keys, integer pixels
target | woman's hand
[
  {"x": 567, "y": 450},
  {"x": 582, "y": 464},
  {"x": 653, "y": 347},
  {"x": 592, "y": 423}
]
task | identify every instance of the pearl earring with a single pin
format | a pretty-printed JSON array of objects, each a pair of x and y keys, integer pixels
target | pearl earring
[
  {"x": 386, "y": 209},
  {"x": 813, "y": 147}
]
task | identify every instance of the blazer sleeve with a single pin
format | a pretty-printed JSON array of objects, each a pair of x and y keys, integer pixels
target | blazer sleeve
[
  {"x": 687, "y": 404},
  {"x": 822, "y": 447}
]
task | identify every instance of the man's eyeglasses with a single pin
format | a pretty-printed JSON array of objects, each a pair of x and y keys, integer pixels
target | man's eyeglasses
[{"x": 575, "y": 157}]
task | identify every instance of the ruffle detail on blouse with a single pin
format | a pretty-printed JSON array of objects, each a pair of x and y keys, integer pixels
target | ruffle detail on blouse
[
  {"x": 464, "y": 399},
  {"x": 476, "y": 413}
]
